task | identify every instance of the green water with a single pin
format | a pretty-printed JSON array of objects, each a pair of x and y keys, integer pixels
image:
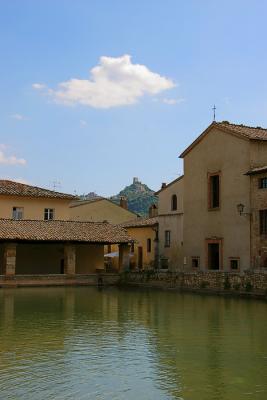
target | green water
[{"x": 82, "y": 343}]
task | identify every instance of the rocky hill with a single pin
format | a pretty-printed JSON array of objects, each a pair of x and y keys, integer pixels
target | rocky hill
[{"x": 139, "y": 197}]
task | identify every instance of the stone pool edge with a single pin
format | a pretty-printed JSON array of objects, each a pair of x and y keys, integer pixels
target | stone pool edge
[{"x": 247, "y": 285}]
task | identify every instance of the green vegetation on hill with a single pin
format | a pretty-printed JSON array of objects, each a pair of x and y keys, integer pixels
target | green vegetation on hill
[{"x": 139, "y": 197}]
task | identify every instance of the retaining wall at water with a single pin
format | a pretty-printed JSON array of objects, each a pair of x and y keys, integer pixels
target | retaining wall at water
[
  {"x": 245, "y": 284},
  {"x": 99, "y": 279}
]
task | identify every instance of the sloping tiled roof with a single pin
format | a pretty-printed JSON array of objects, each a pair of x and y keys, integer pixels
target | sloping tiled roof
[
  {"x": 140, "y": 223},
  {"x": 11, "y": 188},
  {"x": 169, "y": 184},
  {"x": 79, "y": 203},
  {"x": 62, "y": 231},
  {"x": 243, "y": 131},
  {"x": 251, "y": 132},
  {"x": 257, "y": 170}
]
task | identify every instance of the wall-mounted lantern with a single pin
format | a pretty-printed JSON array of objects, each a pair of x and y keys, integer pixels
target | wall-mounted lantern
[{"x": 240, "y": 209}]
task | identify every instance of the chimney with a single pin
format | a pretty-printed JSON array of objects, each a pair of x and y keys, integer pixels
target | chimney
[
  {"x": 123, "y": 202},
  {"x": 153, "y": 211},
  {"x": 163, "y": 185}
]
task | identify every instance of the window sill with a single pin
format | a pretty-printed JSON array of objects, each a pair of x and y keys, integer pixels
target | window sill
[{"x": 214, "y": 209}]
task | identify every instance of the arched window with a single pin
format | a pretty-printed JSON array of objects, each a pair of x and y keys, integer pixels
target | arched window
[{"x": 174, "y": 202}]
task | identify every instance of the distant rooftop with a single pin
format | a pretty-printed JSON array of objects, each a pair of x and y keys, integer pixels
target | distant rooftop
[
  {"x": 80, "y": 202},
  {"x": 140, "y": 223},
  {"x": 166, "y": 185},
  {"x": 11, "y": 188}
]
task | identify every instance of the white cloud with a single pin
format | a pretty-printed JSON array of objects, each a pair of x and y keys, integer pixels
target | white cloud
[
  {"x": 19, "y": 117},
  {"x": 38, "y": 86},
  {"x": 173, "y": 101},
  {"x": 9, "y": 160},
  {"x": 113, "y": 82}
]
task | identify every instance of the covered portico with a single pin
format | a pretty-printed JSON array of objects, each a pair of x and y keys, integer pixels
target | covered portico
[{"x": 58, "y": 248}]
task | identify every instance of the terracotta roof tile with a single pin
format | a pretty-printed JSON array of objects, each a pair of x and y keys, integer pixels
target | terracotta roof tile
[
  {"x": 11, "y": 188},
  {"x": 67, "y": 231},
  {"x": 169, "y": 184},
  {"x": 243, "y": 131},
  {"x": 251, "y": 132},
  {"x": 140, "y": 223},
  {"x": 79, "y": 203}
]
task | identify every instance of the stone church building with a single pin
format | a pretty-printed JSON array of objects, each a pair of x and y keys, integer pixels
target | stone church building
[{"x": 224, "y": 204}]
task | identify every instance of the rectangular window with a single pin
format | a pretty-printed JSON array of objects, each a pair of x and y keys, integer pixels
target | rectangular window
[
  {"x": 214, "y": 191},
  {"x": 234, "y": 263},
  {"x": 263, "y": 183},
  {"x": 17, "y": 212},
  {"x": 195, "y": 262},
  {"x": 148, "y": 245},
  {"x": 132, "y": 247},
  {"x": 167, "y": 238},
  {"x": 263, "y": 222},
  {"x": 48, "y": 214}
]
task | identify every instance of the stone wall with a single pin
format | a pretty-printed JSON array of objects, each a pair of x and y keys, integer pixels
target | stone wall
[
  {"x": 215, "y": 281},
  {"x": 101, "y": 279}
]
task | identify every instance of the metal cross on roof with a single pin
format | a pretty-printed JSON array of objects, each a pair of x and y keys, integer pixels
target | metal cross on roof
[{"x": 214, "y": 112}]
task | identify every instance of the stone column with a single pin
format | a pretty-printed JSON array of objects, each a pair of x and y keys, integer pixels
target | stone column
[
  {"x": 124, "y": 257},
  {"x": 69, "y": 259},
  {"x": 10, "y": 259}
]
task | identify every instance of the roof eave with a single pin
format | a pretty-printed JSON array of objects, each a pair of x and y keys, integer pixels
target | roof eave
[
  {"x": 256, "y": 172},
  {"x": 142, "y": 226},
  {"x": 169, "y": 184},
  {"x": 39, "y": 197},
  {"x": 207, "y": 130}
]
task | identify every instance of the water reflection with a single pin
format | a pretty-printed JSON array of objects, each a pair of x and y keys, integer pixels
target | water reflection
[{"x": 85, "y": 343}]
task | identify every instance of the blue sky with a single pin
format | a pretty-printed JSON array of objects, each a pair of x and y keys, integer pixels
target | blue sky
[{"x": 130, "y": 116}]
